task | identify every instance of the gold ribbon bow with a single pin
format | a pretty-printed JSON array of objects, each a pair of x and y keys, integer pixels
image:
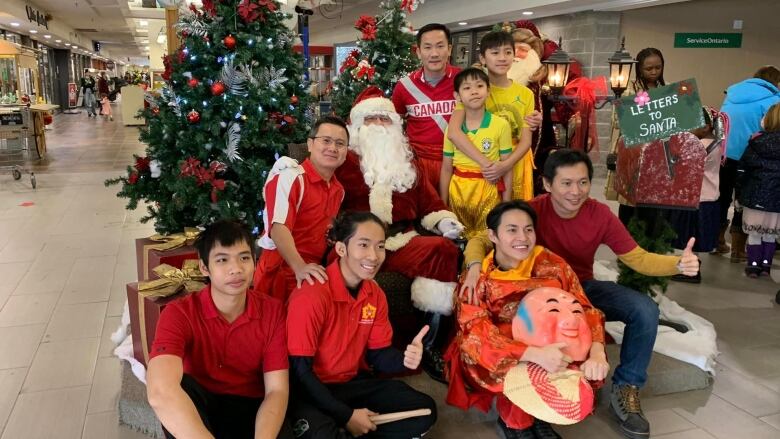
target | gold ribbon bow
[
  {"x": 172, "y": 280},
  {"x": 170, "y": 242}
]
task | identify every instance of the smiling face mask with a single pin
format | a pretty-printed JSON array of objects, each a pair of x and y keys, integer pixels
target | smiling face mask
[{"x": 551, "y": 315}]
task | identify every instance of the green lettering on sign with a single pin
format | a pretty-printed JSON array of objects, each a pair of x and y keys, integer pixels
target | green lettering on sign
[
  {"x": 708, "y": 40},
  {"x": 659, "y": 112}
]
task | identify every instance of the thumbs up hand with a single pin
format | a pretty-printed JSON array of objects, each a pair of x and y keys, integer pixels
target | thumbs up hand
[
  {"x": 689, "y": 262},
  {"x": 414, "y": 351}
]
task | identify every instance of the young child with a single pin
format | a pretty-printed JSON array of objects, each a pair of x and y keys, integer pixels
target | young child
[
  {"x": 339, "y": 328},
  {"x": 461, "y": 183},
  {"x": 105, "y": 106},
  {"x": 759, "y": 197},
  {"x": 510, "y": 101}
]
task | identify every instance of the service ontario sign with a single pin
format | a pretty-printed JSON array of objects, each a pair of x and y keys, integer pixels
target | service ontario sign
[{"x": 660, "y": 112}]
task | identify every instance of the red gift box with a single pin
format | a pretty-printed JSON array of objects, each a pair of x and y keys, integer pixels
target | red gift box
[
  {"x": 148, "y": 257},
  {"x": 144, "y": 314},
  {"x": 662, "y": 173}
]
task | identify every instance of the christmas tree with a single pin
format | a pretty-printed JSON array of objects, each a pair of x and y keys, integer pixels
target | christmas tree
[
  {"x": 232, "y": 101},
  {"x": 660, "y": 243},
  {"x": 384, "y": 55}
]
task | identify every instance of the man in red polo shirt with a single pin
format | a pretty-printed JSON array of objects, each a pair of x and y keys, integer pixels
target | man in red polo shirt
[
  {"x": 300, "y": 203},
  {"x": 338, "y": 328},
  {"x": 426, "y": 98},
  {"x": 218, "y": 366}
]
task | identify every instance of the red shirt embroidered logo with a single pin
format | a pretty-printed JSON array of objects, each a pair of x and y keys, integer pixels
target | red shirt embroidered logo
[{"x": 367, "y": 314}]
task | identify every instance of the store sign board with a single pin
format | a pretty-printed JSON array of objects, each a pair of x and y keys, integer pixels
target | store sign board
[
  {"x": 11, "y": 119},
  {"x": 660, "y": 112},
  {"x": 73, "y": 94},
  {"x": 110, "y": 65},
  {"x": 708, "y": 40},
  {"x": 36, "y": 16}
]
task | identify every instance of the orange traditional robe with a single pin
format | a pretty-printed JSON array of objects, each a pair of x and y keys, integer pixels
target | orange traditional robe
[{"x": 483, "y": 350}]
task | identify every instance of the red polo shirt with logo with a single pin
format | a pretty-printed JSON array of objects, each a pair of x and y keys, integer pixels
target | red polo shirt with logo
[
  {"x": 306, "y": 204},
  {"x": 325, "y": 322},
  {"x": 426, "y": 135},
  {"x": 224, "y": 358}
]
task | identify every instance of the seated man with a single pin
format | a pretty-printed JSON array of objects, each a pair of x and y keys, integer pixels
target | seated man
[
  {"x": 335, "y": 329},
  {"x": 484, "y": 349},
  {"x": 300, "y": 203},
  {"x": 573, "y": 226},
  {"x": 218, "y": 365}
]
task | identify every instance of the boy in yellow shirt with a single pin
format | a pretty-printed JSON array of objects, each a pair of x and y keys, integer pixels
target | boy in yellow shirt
[
  {"x": 461, "y": 183},
  {"x": 510, "y": 101}
]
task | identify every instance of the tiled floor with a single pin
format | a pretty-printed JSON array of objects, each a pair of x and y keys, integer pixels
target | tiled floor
[{"x": 65, "y": 259}]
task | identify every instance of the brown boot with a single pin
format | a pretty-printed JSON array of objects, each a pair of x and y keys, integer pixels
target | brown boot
[
  {"x": 722, "y": 247},
  {"x": 738, "y": 239}
]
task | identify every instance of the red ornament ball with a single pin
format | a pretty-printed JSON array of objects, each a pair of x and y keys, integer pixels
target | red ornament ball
[
  {"x": 230, "y": 42},
  {"x": 193, "y": 82},
  {"x": 156, "y": 111},
  {"x": 193, "y": 116},
  {"x": 294, "y": 100},
  {"x": 217, "y": 88}
]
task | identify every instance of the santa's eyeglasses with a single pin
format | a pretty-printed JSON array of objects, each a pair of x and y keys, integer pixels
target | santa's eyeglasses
[
  {"x": 373, "y": 118},
  {"x": 330, "y": 141}
]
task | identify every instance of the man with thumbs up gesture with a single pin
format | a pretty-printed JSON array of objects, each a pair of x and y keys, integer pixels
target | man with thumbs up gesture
[
  {"x": 573, "y": 225},
  {"x": 337, "y": 329}
]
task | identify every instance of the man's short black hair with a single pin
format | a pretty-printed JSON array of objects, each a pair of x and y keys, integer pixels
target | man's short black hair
[
  {"x": 470, "y": 73},
  {"x": 430, "y": 27},
  {"x": 496, "y": 39},
  {"x": 565, "y": 157},
  {"x": 225, "y": 233},
  {"x": 345, "y": 225},
  {"x": 331, "y": 120},
  {"x": 493, "y": 219}
]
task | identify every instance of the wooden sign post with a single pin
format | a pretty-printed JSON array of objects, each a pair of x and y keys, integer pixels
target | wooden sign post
[{"x": 660, "y": 112}]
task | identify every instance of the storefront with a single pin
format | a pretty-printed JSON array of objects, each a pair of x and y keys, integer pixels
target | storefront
[{"x": 18, "y": 72}]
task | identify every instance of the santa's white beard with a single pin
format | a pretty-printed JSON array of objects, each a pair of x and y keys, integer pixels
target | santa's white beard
[
  {"x": 385, "y": 157},
  {"x": 523, "y": 69}
]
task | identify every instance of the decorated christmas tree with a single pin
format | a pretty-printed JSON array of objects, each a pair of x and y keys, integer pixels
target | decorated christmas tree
[
  {"x": 233, "y": 100},
  {"x": 384, "y": 55}
]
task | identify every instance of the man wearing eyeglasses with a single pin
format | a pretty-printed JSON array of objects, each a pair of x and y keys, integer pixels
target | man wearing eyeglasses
[
  {"x": 300, "y": 204},
  {"x": 381, "y": 175}
]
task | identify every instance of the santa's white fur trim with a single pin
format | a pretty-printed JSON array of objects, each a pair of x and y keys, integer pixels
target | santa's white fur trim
[
  {"x": 432, "y": 219},
  {"x": 433, "y": 295},
  {"x": 399, "y": 240},
  {"x": 380, "y": 201}
]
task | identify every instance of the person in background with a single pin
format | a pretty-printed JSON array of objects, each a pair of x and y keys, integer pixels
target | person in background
[
  {"x": 88, "y": 91},
  {"x": 759, "y": 195},
  {"x": 745, "y": 104},
  {"x": 105, "y": 106}
]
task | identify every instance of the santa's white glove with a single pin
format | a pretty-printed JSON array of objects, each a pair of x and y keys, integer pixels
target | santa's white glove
[
  {"x": 283, "y": 163},
  {"x": 450, "y": 228}
]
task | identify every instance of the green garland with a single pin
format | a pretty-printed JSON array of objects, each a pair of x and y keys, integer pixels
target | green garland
[{"x": 660, "y": 244}]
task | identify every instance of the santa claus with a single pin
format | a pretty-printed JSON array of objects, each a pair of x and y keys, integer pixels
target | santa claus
[{"x": 380, "y": 175}]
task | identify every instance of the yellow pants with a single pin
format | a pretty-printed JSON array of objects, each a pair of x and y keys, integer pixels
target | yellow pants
[
  {"x": 470, "y": 200},
  {"x": 523, "y": 178}
]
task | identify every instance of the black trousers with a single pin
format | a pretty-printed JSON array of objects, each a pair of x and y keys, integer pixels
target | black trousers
[
  {"x": 225, "y": 416},
  {"x": 377, "y": 395},
  {"x": 728, "y": 193}
]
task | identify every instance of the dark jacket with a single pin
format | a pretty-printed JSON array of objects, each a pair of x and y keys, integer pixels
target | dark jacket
[{"x": 759, "y": 180}]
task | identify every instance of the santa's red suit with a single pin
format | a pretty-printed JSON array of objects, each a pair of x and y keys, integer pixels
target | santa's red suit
[{"x": 431, "y": 260}]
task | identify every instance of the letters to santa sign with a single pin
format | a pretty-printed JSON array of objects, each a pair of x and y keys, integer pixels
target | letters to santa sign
[{"x": 660, "y": 112}]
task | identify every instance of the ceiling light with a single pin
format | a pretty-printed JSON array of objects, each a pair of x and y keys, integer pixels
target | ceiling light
[
  {"x": 67, "y": 44},
  {"x": 463, "y": 23},
  {"x": 143, "y": 23},
  {"x": 57, "y": 41},
  {"x": 14, "y": 24},
  {"x": 146, "y": 47},
  {"x": 528, "y": 13},
  {"x": 162, "y": 38},
  {"x": 47, "y": 36},
  {"x": 33, "y": 31}
]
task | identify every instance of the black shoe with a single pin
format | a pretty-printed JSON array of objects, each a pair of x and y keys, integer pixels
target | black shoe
[
  {"x": 624, "y": 401},
  {"x": 513, "y": 433},
  {"x": 433, "y": 364},
  {"x": 543, "y": 430}
]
